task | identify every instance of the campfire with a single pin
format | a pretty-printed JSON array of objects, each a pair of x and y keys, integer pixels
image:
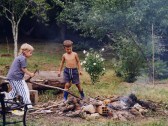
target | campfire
[{"x": 118, "y": 108}]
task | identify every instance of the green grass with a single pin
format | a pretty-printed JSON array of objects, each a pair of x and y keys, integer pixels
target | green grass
[
  {"x": 104, "y": 122},
  {"x": 48, "y": 56},
  {"x": 57, "y": 121}
]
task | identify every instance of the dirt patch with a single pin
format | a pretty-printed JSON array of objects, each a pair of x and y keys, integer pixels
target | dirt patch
[{"x": 50, "y": 119}]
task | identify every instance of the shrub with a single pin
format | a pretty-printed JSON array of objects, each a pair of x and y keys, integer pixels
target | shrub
[
  {"x": 161, "y": 70},
  {"x": 129, "y": 62},
  {"x": 94, "y": 64}
]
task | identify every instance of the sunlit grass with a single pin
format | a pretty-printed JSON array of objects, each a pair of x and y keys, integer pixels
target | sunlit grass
[{"x": 110, "y": 85}]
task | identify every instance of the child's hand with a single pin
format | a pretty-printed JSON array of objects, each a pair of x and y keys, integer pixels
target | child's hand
[
  {"x": 80, "y": 73},
  {"x": 32, "y": 74},
  {"x": 59, "y": 74}
]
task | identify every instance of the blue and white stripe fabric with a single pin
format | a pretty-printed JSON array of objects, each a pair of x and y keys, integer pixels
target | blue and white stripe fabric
[{"x": 20, "y": 87}]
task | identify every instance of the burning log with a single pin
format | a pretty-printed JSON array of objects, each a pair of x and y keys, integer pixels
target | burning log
[{"x": 147, "y": 104}]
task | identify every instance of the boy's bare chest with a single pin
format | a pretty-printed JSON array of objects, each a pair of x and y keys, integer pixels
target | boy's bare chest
[{"x": 69, "y": 57}]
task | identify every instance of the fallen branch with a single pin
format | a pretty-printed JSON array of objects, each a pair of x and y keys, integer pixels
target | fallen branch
[
  {"x": 48, "y": 86},
  {"x": 42, "y": 112},
  {"x": 49, "y": 107}
]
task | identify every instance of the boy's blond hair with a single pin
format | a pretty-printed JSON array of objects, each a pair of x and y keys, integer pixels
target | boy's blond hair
[
  {"x": 67, "y": 43},
  {"x": 25, "y": 47}
]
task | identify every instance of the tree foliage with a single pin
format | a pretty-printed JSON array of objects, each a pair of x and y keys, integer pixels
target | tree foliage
[
  {"x": 127, "y": 19},
  {"x": 14, "y": 10},
  {"x": 94, "y": 17}
]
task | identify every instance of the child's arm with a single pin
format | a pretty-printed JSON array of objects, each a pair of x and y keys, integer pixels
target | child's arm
[
  {"x": 27, "y": 72},
  {"x": 78, "y": 64},
  {"x": 61, "y": 66}
]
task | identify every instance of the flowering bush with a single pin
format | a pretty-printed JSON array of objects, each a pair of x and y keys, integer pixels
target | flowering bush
[{"x": 94, "y": 64}]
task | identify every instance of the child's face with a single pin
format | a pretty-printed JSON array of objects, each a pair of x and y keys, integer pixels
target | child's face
[
  {"x": 68, "y": 49},
  {"x": 28, "y": 53}
]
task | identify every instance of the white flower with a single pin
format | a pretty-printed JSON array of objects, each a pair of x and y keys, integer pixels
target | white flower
[
  {"x": 104, "y": 69},
  {"x": 81, "y": 63},
  {"x": 87, "y": 54},
  {"x": 85, "y": 58},
  {"x": 84, "y": 51},
  {"x": 97, "y": 56},
  {"x": 102, "y": 59},
  {"x": 102, "y": 49},
  {"x": 94, "y": 63},
  {"x": 84, "y": 62}
]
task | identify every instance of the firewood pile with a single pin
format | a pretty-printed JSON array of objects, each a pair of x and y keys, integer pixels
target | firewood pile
[{"x": 117, "y": 108}]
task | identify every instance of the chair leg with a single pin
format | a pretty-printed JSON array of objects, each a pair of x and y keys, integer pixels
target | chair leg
[
  {"x": 24, "y": 116},
  {"x": 3, "y": 109},
  {"x": 4, "y": 118}
]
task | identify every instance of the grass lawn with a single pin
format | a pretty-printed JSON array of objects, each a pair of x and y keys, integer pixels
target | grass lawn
[{"x": 47, "y": 57}]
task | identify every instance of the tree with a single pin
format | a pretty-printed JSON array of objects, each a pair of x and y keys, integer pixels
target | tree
[
  {"x": 14, "y": 11},
  {"x": 119, "y": 19}
]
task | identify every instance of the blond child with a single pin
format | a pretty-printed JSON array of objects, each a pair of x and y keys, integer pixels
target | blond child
[
  {"x": 72, "y": 69},
  {"x": 16, "y": 74}
]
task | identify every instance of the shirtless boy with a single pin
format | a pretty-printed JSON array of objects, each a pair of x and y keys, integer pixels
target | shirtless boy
[{"x": 72, "y": 69}]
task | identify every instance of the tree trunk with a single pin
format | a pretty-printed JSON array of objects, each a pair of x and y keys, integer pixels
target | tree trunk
[{"x": 15, "y": 37}]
